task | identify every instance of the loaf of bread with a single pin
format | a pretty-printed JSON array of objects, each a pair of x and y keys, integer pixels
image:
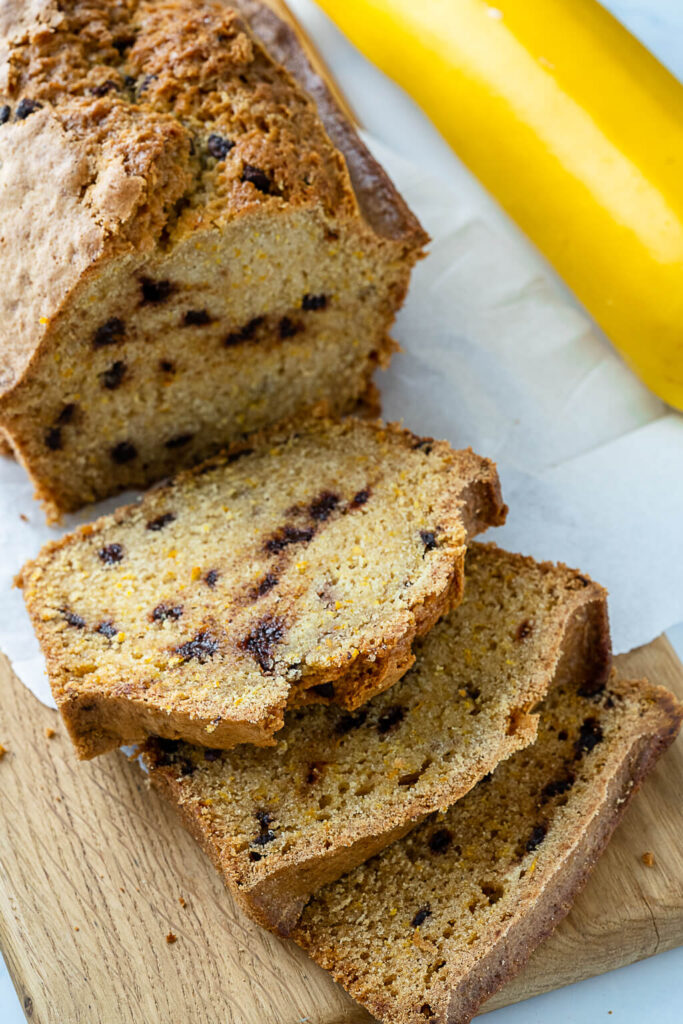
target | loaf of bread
[
  {"x": 188, "y": 257},
  {"x": 300, "y": 567},
  {"x": 280, "y": 823},
  {"x": 428, "y": 930}
]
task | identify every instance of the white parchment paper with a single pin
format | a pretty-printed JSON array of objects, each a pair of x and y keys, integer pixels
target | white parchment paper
[{"x": 498, "y": 356}]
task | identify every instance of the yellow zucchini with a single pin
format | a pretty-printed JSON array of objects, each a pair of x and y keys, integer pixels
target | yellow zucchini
[{"x": 575, "y": 128}]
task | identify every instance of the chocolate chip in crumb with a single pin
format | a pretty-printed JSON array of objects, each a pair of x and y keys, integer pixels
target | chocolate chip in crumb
[
  {"x": 166, "y": 366},
  {"x": 348, "y": 722},
  {"x": 254, "y": 856},
  {"x": 113, "y": 377},
  {"x": 524, "y": 630},
  {"x": 197, "y": 318},
  {"x": 590, "y": 734},
  {"x": 424, "y": 444},
  {"x": 245, "y": 333},
  {"x": 218, "y": 146},
  {"x": 122, "y": 44},
  {"x": 123, "y": 452},
  {"x": 313, "y": 303},
  {"x": 360, "y": 498},
  {"x": 108, "y": 629},
  {"x": 103, "y": 88},
  {"x": 110, "y": 333},
  {"x": 562, "y": 735},
  {"x": 5, "y": 113},
  {"x": 286, "y": 536},
  {"x": 324, "y": 690},
  {"x": 538, "y": 834},
  {"x": 162, "y": 612},
  {"x": 146, "y": 82},
  {"x": 53, "y": 439},
  {"x": 391, "y": 718},
  {"x": 200, "y": 648},
  {"x": 179, "y": 441},
  {"x": 258, "y": 178},
  {"x": 261, "y": 641},
  {"x": 265, "y": 585},
  {"x": 428, "y": 538},
  {"x": 211, "y": 578},
  {"x": 558, "y": 787},
  {"x": 26, "y": 107},
  {"x": 154, "y": 292},
  {"x": 322, "y": 507},
  {"x": 67, "y": 414},
  {"x": 111, "y": 554},
  {"x": 73, "y": 619},
  {"x": 160, "y": 522},
  {"x": 440, "y": 841},
  {"x": 288, "y": 328},
  {"x": 421, "y": 916}
]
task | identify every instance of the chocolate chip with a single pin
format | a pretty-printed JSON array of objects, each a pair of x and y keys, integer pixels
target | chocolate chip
[
  {"x": 212, "y": 755},
  {"x": 146, "y": 82},
  {"x": 162, "y": 612},
  {"x": 266, "y": 835},
  {"x": 103, "y": 88},
  {"x": 264, "y": 818},
  {"x": 73, "y": 619},
  {"x": 426, "y": 1010},
  {"x": 211, "y": 578},
  {"x": 323, "y": 506},
  {"x": 245, "y": 333},
  {"x": 312, "y": 303},
  {"x": 558, "y": 787},
  {"x": 286, "y": 536},
  {"x": 67, "y": 414},
  {"x": 261, "y": 641},
  {"x": 424, "y": 444},
  {"x": 186, "y": 766},
  {"x": 166, "y": 366},
  {"x": 110, "y": 333},
  {"x": 538, "y": 834},
  {"x": 590, "y": 734},
  {"x": 197, "y": 318},
  {"x": 361, "y": 498},
  {"x": 53, "y": 439},
  {"x": 26, "y": 107},
  {"x": 5, "y": 113},
  {"x": 349, "y": 722},
  {"x": 263, "y": 838},
  {"x": 123, "y": 452},
  {"x": 562, "y": 735},
  {"x": 428, "y": 538},
  {"x": 178, "y": 442},
  {"x": 324, "y": 690},
  {"x": 258, "y": 178},
  {"x": 253, "y": 855},
  {"x": 122, "y": 44},
  {"x": 108, "y": 629},
  {"x": 155, "y": 291},
  {"x": 112, "y": 378},
  {"x": 111, "y": 554},
  {"x": 391, "y": 718},
  {"x": 265, "y": 585},
  {"x": 200, "y": 648},
  {"x": 524, "y": 630},
  {"x": 421, "y": 916},
  {"x": 160, "y": 522},
  {"x": 288, "y": 328},
  {"x": 441, "y": 840},
  {"x": 219, "y": 146}
]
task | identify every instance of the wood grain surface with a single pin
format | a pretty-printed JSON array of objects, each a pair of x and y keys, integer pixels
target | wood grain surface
[{"x": 93, "y": 867}]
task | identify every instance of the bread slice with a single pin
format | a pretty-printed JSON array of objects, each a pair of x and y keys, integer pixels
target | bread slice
[
  {"x": 187, "y": 255},
  {"x": 306, "y": 560},
  {"x": 338, "y": 787},
  {"x": 432, "y": 927}
]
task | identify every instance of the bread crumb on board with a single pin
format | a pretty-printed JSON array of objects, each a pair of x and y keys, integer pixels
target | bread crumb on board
[
  {"x": 171, "y": 938},
  {"x": 648, "y": 859},
  {"x": 182, "y": 901},
  {"x": 49, "y": 732},
  {"x": 3, "y": 751}
]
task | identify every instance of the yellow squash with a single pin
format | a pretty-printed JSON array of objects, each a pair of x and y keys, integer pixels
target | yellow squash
[{"x": 578, "y": 132}]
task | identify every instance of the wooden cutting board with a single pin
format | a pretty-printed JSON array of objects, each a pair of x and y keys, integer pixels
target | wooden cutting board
[{"x": 93, "y": 867}]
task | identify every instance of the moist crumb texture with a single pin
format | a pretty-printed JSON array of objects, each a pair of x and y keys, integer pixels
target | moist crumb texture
[
  {"x": 340, "y": 785},
  {"x": 490, "y": 878},
  {"x": 290, "y": 570},
  {"x": 188, "y": 259}
]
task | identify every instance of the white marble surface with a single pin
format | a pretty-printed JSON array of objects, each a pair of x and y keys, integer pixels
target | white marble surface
[{"x": 651, "y": 989}]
